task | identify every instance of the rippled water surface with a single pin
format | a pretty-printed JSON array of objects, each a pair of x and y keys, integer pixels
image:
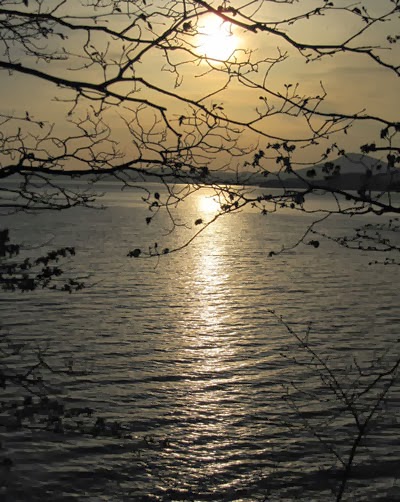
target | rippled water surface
[{"x": 187, "y": 352}]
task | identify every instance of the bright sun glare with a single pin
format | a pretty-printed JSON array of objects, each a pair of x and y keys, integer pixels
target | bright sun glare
[
  {"x": 216, "y": 40},
  {"x": 208, "y": 204}
]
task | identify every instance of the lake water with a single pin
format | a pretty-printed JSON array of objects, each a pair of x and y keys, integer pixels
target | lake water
[{"x": 188, "y": 349}]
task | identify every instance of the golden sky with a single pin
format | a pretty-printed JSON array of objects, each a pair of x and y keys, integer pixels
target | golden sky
[{"x": 353, "y": 82}]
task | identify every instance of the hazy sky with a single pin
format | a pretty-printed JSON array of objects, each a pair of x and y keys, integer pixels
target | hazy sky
[{"x": 353, "y": 82}]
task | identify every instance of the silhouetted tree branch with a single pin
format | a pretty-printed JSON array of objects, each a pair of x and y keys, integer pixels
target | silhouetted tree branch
[
  {"x": 122, "y": 89},
  {"x": 339, "y": 404},
  {"x": 125, "y": 77}
]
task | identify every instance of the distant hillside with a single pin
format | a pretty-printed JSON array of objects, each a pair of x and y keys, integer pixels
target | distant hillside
[
  {"x": 350, "y": 172},
  {"x": 354, "y": 163}
]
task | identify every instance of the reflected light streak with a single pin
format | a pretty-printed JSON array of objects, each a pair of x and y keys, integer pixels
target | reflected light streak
[
  {"x": 212, "y": 289},
  {"x": 210, "y": 343}
]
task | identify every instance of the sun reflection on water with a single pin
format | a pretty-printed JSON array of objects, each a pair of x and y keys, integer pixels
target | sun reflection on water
[
  {"x": 208, "y": 204},
  {"x": 212, "y": 345}
]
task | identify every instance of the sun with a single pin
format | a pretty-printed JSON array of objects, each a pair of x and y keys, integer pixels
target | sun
[{"x": 216, "y": 39}]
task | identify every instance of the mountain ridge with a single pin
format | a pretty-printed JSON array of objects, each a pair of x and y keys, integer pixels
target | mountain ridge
[{"x": 348, "y": 172}]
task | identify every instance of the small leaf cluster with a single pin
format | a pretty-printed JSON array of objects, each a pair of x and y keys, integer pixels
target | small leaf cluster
[
  {"x": 29, "y": 274},
  {"x": 153, "y": 251}
]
